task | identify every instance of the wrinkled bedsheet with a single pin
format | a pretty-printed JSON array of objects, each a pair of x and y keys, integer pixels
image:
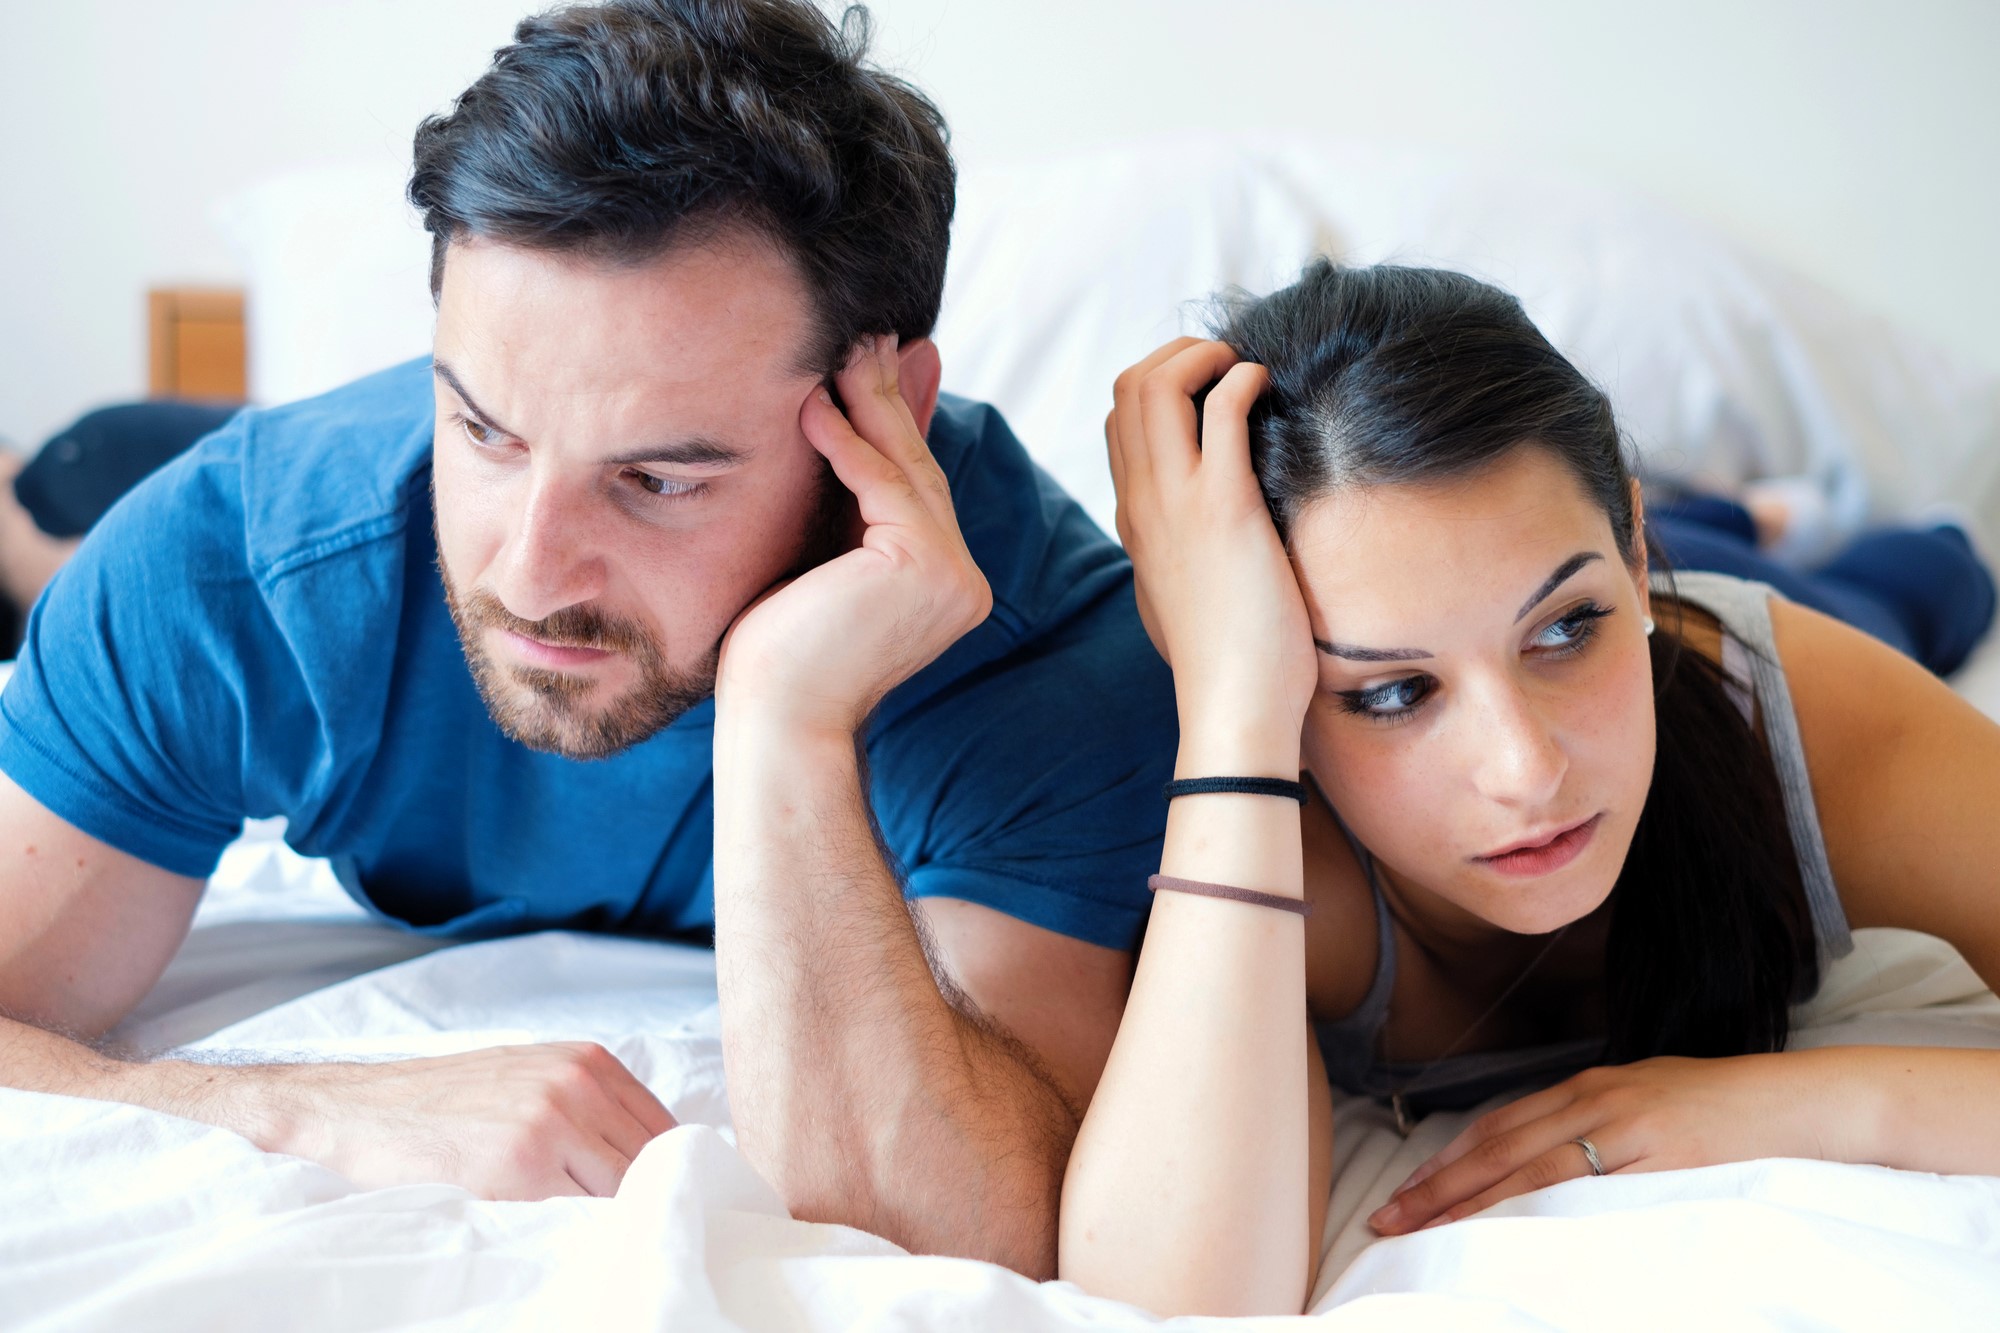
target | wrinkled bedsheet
[{"x": 113, "y": 1217}]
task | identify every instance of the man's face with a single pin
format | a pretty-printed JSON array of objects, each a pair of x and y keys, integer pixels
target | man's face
[{"x": 619, "y": 471}]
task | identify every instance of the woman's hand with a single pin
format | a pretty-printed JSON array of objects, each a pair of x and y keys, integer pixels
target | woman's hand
[
  {"x": 820, "y": 651},
  {"x": 1216, "y": 591},
  {"x": 1656, "y": 1115}
]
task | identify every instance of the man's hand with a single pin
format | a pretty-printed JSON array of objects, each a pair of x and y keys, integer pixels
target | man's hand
[
  {"x": 509, "y": 1122},
  {"x": 823, "y": 649}
]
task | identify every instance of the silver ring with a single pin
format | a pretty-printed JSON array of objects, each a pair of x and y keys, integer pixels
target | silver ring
[{"x": 1590, "y": 1151}]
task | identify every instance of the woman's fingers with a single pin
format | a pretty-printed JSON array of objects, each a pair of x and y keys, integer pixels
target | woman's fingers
[
  {"x": 1565, "y": 1161},
  {"x": 1491, "y": 1125},
  {"x": 1225, "y": 417},
  {"x": 1480, "y": 1169},
  {"x": 1166, "y": 405},
  {"x": 1129, "y": 419}
]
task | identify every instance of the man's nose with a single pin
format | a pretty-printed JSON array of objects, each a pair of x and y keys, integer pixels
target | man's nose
[
  {"x": 551, "y": 559},
  {"x": 1518, "y": 758}
]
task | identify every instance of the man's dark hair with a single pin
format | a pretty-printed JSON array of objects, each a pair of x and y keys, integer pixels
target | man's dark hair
[{"x": 617, "y": 131}]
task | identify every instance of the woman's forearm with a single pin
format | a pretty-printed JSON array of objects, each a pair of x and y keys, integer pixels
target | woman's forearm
[
  {"x": 1919, "y": 1108},
  {"x": 1187, "y": 1189}
]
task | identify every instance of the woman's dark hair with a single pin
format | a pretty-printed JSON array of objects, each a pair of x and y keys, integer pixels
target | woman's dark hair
[
  {"x": 618, "y": 130},
  {"x": 1393, "y": 376}
]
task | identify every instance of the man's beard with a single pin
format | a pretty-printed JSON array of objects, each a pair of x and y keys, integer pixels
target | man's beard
[{"x": 549, "y": 710}]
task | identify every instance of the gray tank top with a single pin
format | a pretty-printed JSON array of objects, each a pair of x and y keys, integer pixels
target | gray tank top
[{"x": 1351, "y": 1045}]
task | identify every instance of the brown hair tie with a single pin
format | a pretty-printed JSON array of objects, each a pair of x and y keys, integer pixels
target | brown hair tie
[{"x": 1231, "y": 892}]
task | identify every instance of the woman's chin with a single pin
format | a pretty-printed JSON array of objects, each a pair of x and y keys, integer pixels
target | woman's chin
[{"x": 1539, "y": 906}]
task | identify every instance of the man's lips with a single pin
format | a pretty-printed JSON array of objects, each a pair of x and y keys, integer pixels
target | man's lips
[
  {"x": 555, "y": 657},
  {"x": 1543, "y": 853}
]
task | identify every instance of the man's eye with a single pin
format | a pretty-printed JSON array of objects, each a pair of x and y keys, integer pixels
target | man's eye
[
  {"x": 661, "y": 486},
  {"x": 1388, "y": 702}
]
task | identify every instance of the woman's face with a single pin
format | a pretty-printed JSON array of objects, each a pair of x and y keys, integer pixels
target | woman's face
[{"x": 1484, "y": 719}]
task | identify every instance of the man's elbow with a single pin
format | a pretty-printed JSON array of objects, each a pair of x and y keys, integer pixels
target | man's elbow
[{"x": 1005, "y": 1216}]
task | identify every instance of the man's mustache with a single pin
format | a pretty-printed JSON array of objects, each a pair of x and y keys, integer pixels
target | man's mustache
[{"x": 580, "y": 626}]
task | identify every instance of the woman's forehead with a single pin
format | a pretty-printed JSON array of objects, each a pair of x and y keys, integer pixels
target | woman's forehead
[{"x": 1476, "y": 545}]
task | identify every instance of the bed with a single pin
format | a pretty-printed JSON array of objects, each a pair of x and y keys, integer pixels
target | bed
[{"x": 1724, "y": 368}]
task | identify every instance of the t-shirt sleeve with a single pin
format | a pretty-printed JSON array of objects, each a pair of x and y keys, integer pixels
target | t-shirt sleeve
[
  {"x": 128, "y": 712},
  {"x": 1033, "y": 785}
]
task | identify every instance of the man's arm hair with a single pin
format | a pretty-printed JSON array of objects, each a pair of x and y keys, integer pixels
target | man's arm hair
[{"x": 867, "y": 1082}]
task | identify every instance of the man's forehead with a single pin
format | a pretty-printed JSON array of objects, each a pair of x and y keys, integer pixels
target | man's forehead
[{"x": 730, "y": 306}]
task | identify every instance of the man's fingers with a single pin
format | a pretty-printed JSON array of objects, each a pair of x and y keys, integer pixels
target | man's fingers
[
  {"x": 637, "y": 1101},
  {"x": 592, "y": 1162},
  {"x": 884, "y": 490},
  {"x": 622, "y": 1130},
  {"x": 876, "y": 411}
]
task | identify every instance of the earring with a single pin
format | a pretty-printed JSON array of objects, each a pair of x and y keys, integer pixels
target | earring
[{"x": 1647, "y": 621}]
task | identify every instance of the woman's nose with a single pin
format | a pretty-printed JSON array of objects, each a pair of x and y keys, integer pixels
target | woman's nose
[{"x": 1518, "y": 758}]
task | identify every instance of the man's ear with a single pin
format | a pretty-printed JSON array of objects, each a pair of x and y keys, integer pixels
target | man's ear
[
  {"x": 918, "y": 373},
  {"x": 1643, "y": 572}
]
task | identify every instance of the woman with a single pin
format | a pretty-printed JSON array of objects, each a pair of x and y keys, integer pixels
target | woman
[{"x": 1569, "y": 827}]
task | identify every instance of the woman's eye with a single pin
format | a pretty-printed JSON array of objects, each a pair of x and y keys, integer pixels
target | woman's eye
[
  {"x": 474, "y": 431},
  {"x": 1573, "y": 630},
  {"x": 1397, "y": 698}
]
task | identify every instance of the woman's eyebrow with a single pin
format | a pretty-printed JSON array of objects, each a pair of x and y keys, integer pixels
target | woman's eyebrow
[
  {"x": 1356, "y": 653},
  {"x": 1563, "y": 571}
]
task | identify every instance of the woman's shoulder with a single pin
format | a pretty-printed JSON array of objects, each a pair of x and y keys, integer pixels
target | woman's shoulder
[
  {"x": 1898, "y": 764},
  {"x": 1342, "y": 934}
]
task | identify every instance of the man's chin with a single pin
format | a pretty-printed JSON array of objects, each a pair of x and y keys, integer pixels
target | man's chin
[{"x": 561, "y": 714}]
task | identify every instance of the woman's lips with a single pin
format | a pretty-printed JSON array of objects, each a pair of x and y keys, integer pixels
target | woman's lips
[
  {"x": 1550, "y": 854},
  {"x": 555, "y": 657}
]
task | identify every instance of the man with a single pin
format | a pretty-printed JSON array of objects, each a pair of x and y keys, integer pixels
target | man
[{"x": 478, "y": 629}]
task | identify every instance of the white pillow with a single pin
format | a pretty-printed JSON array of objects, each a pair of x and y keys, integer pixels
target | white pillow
[
  {"x": 1065, "y": 272},
  {"x": 1723, "y": 366}
]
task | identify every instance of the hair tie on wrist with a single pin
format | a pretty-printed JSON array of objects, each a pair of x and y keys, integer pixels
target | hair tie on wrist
[
  {"x": 1231, "y": 892},
  {"x": 1240, "y": 786}
]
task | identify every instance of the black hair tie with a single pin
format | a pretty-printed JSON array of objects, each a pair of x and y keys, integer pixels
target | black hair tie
[{"x": 1241, "y": 786}]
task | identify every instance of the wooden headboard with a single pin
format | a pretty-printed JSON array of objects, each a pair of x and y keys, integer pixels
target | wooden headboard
[{"x": 195, "y": 343}]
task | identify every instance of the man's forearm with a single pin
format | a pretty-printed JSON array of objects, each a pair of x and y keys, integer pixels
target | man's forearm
[
  {"x": 34, "y": 1059},
  {"x": 858, "y": 1086}
]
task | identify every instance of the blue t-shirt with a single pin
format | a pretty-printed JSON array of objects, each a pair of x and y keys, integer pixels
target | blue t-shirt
[{"x": 259, "y": 629}]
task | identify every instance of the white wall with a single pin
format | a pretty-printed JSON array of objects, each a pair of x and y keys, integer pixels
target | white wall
[{"x": 1854, "y": 138}]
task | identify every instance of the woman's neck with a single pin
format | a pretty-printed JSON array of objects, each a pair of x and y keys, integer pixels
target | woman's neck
[{"x": 1474, "y": 950}]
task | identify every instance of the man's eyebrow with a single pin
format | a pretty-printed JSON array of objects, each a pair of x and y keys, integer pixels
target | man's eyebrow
[
  {"x": 450, "y": 376},
  {"x": 1549, "y": 585},
  {"x": 695, "y": 451}
]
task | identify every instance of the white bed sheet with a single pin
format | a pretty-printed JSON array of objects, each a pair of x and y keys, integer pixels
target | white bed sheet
[{"x": 113, "y": 1217}]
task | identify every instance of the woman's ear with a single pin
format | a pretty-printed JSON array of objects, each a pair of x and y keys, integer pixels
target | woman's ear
[
  {"x": 918, "y": 374},
  {"x": 1641, "y": 570}
]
